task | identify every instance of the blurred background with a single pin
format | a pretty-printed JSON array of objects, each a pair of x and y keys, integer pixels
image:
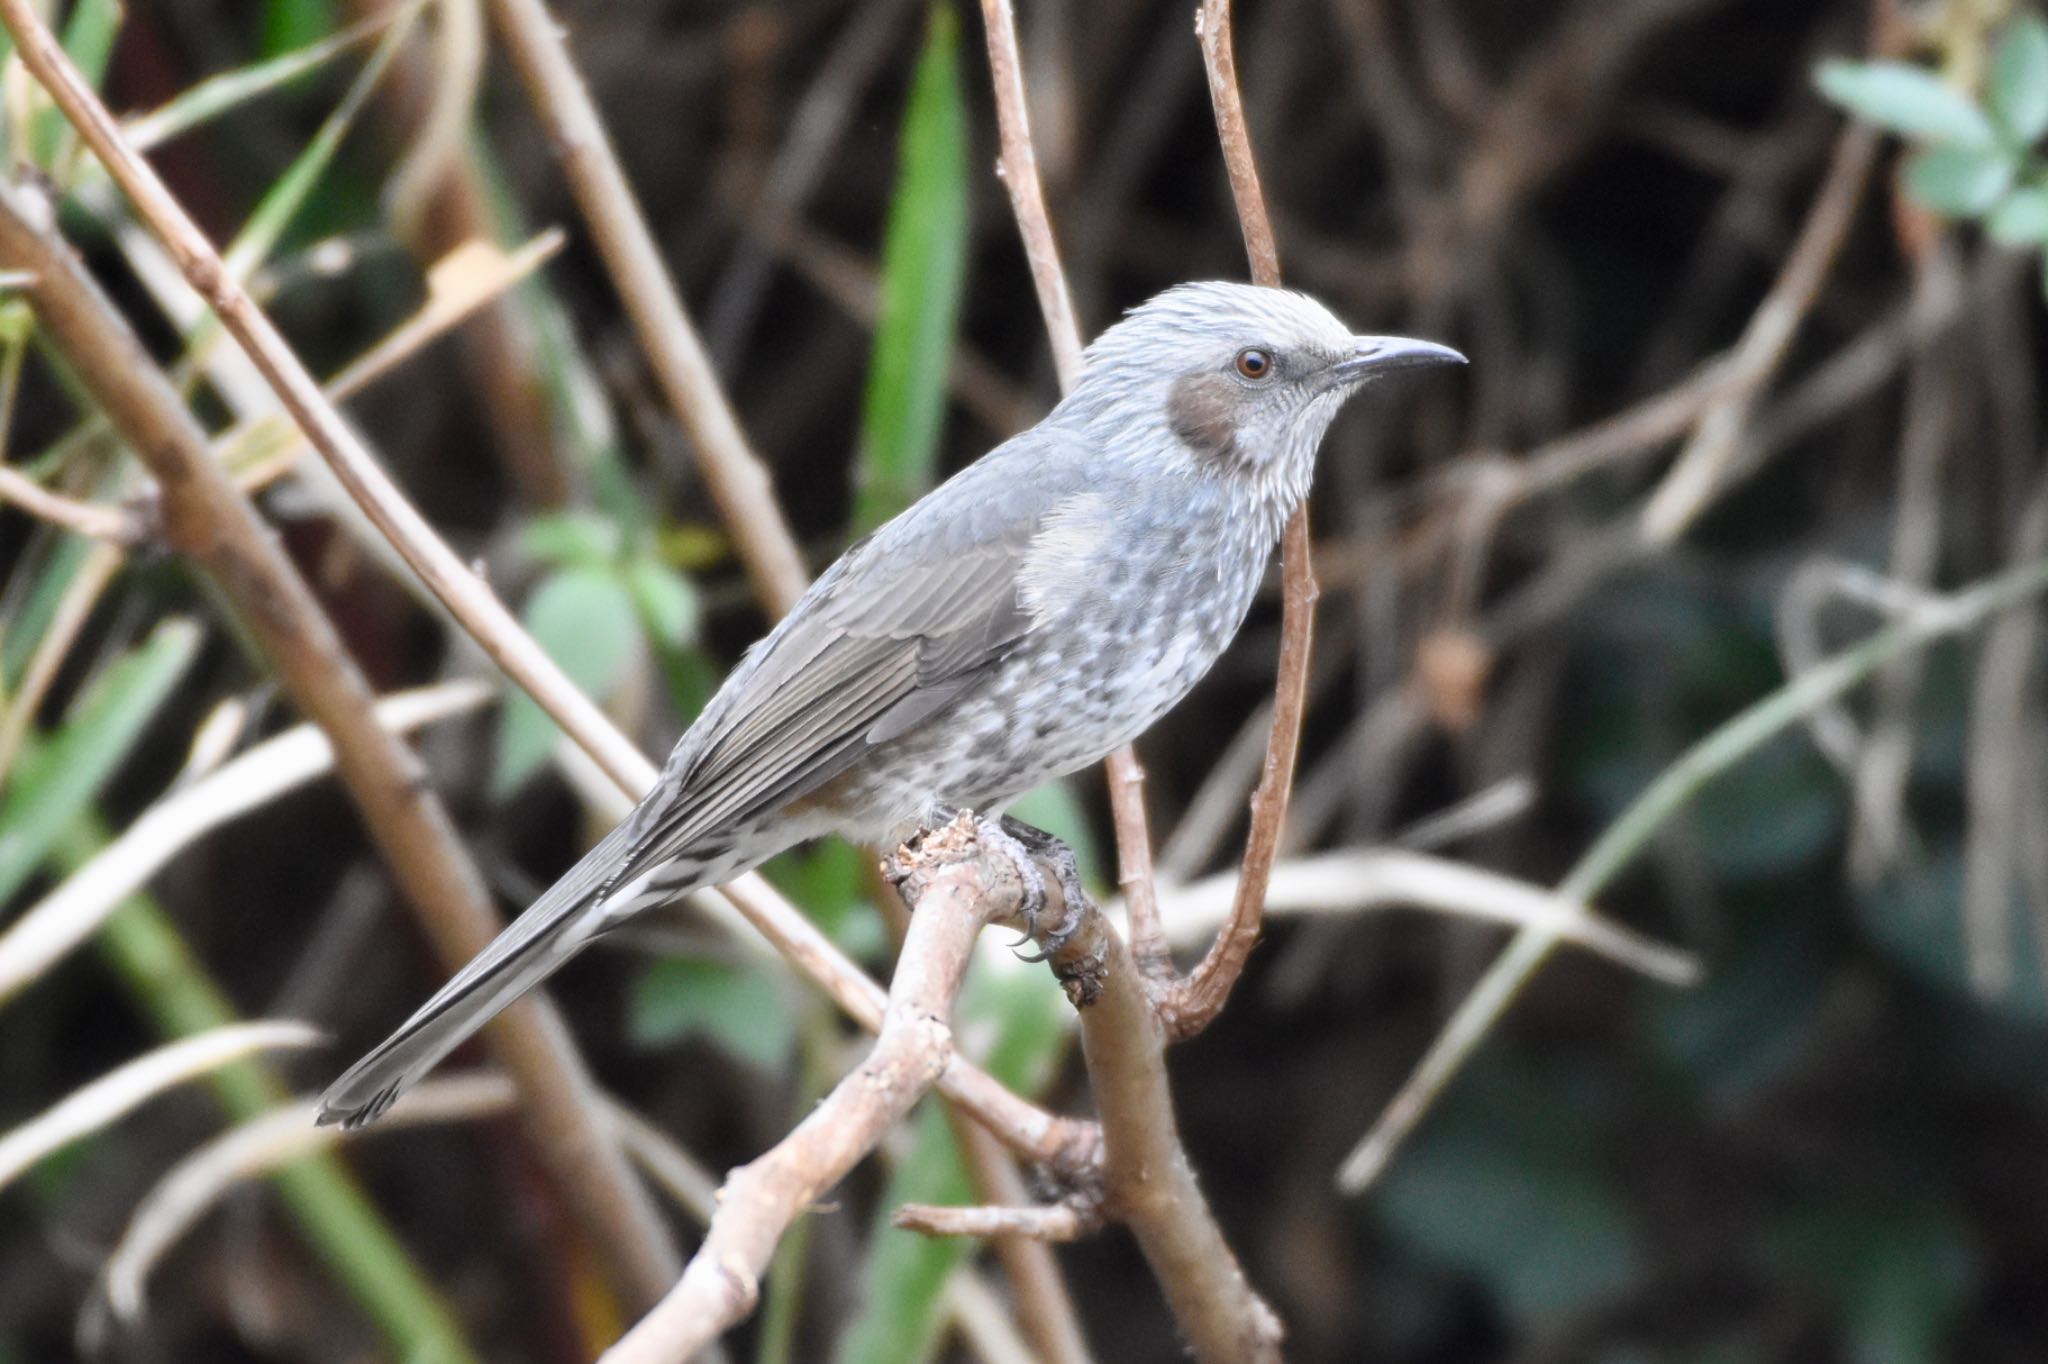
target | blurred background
[{"x": 1750, "y": 380}]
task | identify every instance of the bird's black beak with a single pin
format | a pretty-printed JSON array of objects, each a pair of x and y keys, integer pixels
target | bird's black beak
[{"x": 1372, "y": 356}]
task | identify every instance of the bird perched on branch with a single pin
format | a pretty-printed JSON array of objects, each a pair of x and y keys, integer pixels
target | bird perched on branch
[{"x": 1036, "y": 611}]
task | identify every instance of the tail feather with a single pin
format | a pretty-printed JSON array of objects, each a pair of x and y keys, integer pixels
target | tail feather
[{"x": 530, "y": 949}]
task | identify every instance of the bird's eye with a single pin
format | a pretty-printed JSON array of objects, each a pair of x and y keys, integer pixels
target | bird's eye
[{"x": 1254, "y": 363}]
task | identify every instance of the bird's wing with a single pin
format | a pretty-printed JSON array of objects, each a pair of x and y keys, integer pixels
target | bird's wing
[
  {"x": 900, "y": 627},
  {"x": 896, "y": 629}
]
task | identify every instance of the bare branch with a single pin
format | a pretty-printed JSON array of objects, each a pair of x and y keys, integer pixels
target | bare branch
[
  {"x": 1702, "y": 467},
  {"x": 734, "y": 475},
  {"x": 396, "y": 519},
  {"x": 1019, "y": 170},
  {"x": 1053, "y": 1222},
  {"x": 759, "y": 1200},
  {"x": 208, "y": 519},
  {"x": 1191, "y": 1006},
  {"x": 116, "y": 526},
  {"x": 105, "y": 1100}
]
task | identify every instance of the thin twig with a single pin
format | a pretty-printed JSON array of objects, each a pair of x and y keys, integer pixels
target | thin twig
[
  {"x": 1193, "y": 1005},
  {"x": 208, "y": 519},
  {"x": 396, "y": 519},
  {"x": 285, "y": 1134},
  {"x": 1701, "y": 469},
  {"x": 1053, "y": 1222},
  {"x": 760, "y": 1200},
  {"x": 91, "y": 895},
  {"x": 1019, "y": 170},
  {"x": 114, "y": 525},
  {"x": 102, "y": 1102},
  {"x": 733, "y": 474},
  {"x": 1355, "y": 880},
  {"x": 1044, "y": 1308}
]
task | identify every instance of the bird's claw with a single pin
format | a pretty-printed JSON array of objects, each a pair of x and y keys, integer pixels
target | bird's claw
[{"x": 994, "y": 834}]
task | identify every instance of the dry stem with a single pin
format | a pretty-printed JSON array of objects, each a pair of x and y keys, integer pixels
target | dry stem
[
  {"x": 734, "y": 475},
  {"x": 208, "y": 519},
  {"x": 354, "y": 466},
  {"x": 1019, "y": 170},
  {"x": 1190, "y": 1007},
  {"x": 117, "y": 526},
  {"x": 760, "y": 1200},
  {"x": 1052, "y": 1222}
]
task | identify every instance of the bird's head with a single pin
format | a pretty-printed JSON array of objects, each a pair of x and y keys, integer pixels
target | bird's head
[{"x": 1242, "y": 380}]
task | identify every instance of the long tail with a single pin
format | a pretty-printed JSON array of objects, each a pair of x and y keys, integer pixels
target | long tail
[{"x": 531, "y": 948}]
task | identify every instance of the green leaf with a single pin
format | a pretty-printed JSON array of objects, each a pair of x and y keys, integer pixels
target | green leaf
[
  {"x": 1905, "y": 99},
  {"x": 95, "y": 735},
  {"x": 1900, "y": 1274},
  {"x": 1019, "y": 1025},
  {"x": 924, "y": 260},
  {"x": 586, "y": 620},
  {"x": 1773, "y": 815},
  {"x": 679, "y": 998},
  {"x": 571, "y": 539},
  {"x": 2021, "y": 218},
  {"x": 897, "y": 1317},
  {"x": 289, "y": 24},
  {"x": 2018, "y": 88},
  {"x": 1507, "y": 1185},
  {"x": 829, "y": 879},
  {"x": 1960, "y": 182},
  {"x": 281, "y": 203},
  {"x": 22, "y": 628},
  {"x": 221, "y": 94},
  {"x": 667, "y": 602},
  {"x": 88, "y": 39}
]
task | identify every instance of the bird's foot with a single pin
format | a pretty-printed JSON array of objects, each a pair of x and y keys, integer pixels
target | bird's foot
[
  {"x": 1066, "y": 869},
  {"x": 994, "y": 834}
]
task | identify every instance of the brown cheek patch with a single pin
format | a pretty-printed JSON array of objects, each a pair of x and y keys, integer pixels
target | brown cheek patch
[{"x": 1201, "y": 411}]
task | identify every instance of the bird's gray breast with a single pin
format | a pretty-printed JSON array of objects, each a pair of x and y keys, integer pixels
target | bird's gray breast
[{"x": 1131, "y": 599}]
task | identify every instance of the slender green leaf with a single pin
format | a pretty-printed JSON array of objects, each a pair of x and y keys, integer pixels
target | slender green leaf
[
  {"x": 2021, "y": 218},
  {"x": 282, "y": 202},
  {"x": 585, "y": 619},
  {"x": 924, "y": 260},
  {"x": 905, "y": 1277},
  {"x": 1905, "y": 99},
  {"x": 897, "y": 1320},
  {"x": 332, "y": 1212},
  {"x": 218, "y": 95},
  {"x": 576, "y": 397},
  {"x": 88, "y": 39},
  {"x": 1960, "y": 182},
  {"x": 95, "y": 735},
  {"x": 290, "y": 24},
  {"x": 1509, "y": 1185},
  {"x": 23, "y": 626},
  {"x": 2018, "y": 89}
]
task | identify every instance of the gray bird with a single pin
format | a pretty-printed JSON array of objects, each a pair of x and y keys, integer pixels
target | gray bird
[{"x": 1038, "y": 610}]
